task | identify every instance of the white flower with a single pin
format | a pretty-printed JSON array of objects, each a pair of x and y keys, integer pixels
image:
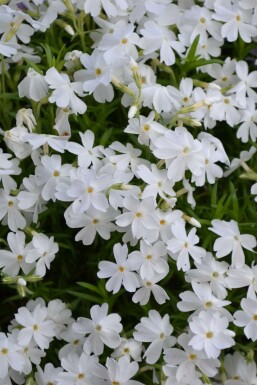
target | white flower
[
  {"x": 50, "y": 174},
  {"x": 211, "y": 333},
  {"x": 121, "y": 272},
  {"x": 157, "y": 36},
  {"x": 93, "y": 222},
  {"x": 140, "y": 216},
  {"x": 33, "y": 86},
  {"x": 96, "y": 77},
  {"x": 120, "y": 45},
  {"x": 247, "y": 81},
  {"x": 188, "y": 360},
  {"x": 30, "y": 199},
  {"x": 183, "y": 245},
  {"x": 201, "y": 299},
  {"x": 150, "y": 258},
  {"x": 10, "y": 212},
  {"x": 181, "y": 152},
  {"x": 149, "y": 286},
  {"x": 121, "y": 372},
  {"x": 231, "y": 241},
  {"x": 212, "y": 271},
  {"x": 103, "y": 329},
  {"x": 129, "y": 348},
  {"x": 156, "y": 330},
  {"x": 42, "y": 251},
  {"x": 245, "y": 276},
  {"x": 14, "y": 260},
  {"x": 64, "y": 91},
  {"x": 247, "y": 317},
  {"x": 10, "y": 355},
  {"x": 78, "y": 370},
  {"x": 87, "y": 153},
  {"x": 157, "y": 182},
  {"x": 87, "y": 189},
  {"x": 35, "y": 326},
  {"x": 48, "y": 375},
  {"x": 237, "y": 21},
  {"x": 146, "y": 128}
]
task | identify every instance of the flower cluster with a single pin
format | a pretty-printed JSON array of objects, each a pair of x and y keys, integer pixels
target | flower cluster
[{"x": 125, "y": 120}]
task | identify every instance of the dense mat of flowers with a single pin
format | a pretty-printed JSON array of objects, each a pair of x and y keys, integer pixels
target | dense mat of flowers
[{"x": 178, "y": 80}]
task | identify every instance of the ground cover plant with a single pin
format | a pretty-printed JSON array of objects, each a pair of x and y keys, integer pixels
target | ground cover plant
[{"x": 128, "y": 192}]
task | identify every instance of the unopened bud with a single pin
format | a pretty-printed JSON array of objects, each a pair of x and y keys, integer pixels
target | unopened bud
[
  {"x": 132, "y": 111},
  {"x": 21, "y": 281},
  {"x": 68, "y": 28},
  {"x": 191, "y": 220}
]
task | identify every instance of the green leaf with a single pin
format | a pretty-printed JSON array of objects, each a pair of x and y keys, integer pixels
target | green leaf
[
  {"x": 192, "y": 51},
  {"x": 89, "y": 286},
  {"x": 88, "y": 297}
]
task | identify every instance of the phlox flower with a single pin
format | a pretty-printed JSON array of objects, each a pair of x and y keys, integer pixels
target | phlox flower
[
  {"x": 30, "y": 199},
  {"x": 93, "y": 222},
  {"x": 12, "y": 261},
  {"x": 87, "y": 153},
  {"x": 198, "y": 21},
  {"x": 35, "y": 326},
  {"x": 146, "y": 128},
  {"x": 8, "y": 168},
  {"x": 128, "y": 156},
  {"x": 149, "y": 286},
  {"x": 243, "y": 277},
  {"x": 111, "y": 8},
  {"x": 50, "y": 173},
  {"x": 48, "y": 375},
  {"x": 211, "y": 333},
  {"x": 31, "y": 354},
  {"x": 183, "y": 245},
  {"x": 212, "y": 271},
  {"x": 248, "y": 123},
  {"x": 120, "y": 45},
  {"x": 121, "y": 272},
  {"x": 121, "y": 371},
  {"x": 202, "y": 298},
  {"x": 9, "y": 211},
  {"x": 156, "y": 330},
  {"x": 78, "y": 370},
  {"x": 64, "y": 91},
  {"x": 237, "y": 162},
  {"x": 225, "y": 109},
  {"x": 96, "y": 77},
  {"x": 8, "y": 49},
  {"x": 181, "y": 152},
  {"x": 33, "y": 86},
  {"x": 86, "y": 190},
  {"x": 140, "y": 215},
  {"x": 189, "y": 360},
  {"x": 129, "y": 348},
  {"x": 10, "y": 356},
  {"x": 58, "y": 143},
  {"x": 157, "y": 182},
  {"x": 60, "y": 314},
  {"x": 244, "y": 86},
  {"x": 151, "y": 259},
  {"x": 157, "y": 36},
  {"x": 103, "y": 329},
  {"x": 247, "y": 317},
  {"x": 239, "y": 371},
  {"x": 42, "y": 251},
  {"x": 237, "y": 21},
  {"x": 231, "y": 241},
  {"x": 75, "y": 341}
]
